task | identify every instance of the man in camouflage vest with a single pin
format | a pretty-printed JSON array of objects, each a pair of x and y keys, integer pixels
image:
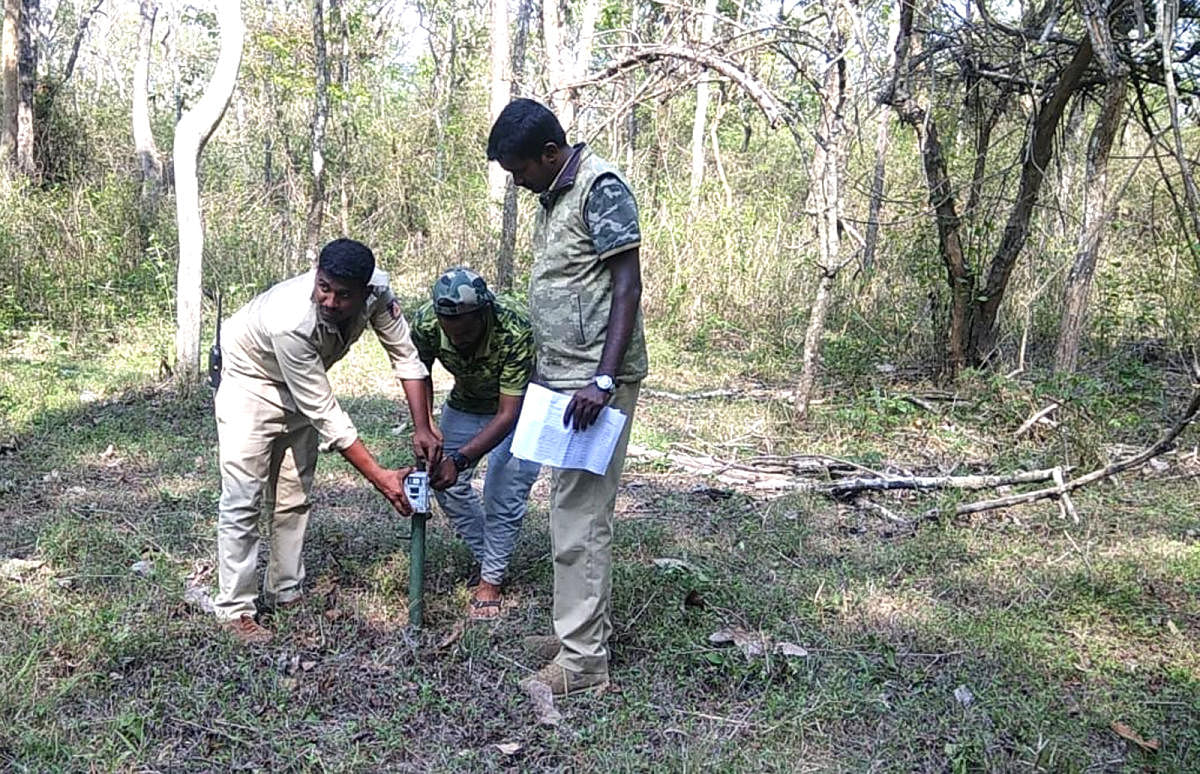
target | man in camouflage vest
[
  {"x": 585, "y": 301},
  {"x": 485, "y": 342}
]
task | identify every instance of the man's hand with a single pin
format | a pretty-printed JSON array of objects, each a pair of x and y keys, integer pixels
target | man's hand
[
  {"x": 428, "y": 447},
  {"x": 584, "y": 407},
  {"x": 444, "y": 475},
  {"x": 391, "y": 486}
]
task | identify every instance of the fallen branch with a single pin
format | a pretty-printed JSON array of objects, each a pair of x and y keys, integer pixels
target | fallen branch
[
  {"x": 1152, "y": 451},
  {"x": 756, "y": 394},
  {"x": 1036, "y": 417},
  {"x": 848, "y": 486}
]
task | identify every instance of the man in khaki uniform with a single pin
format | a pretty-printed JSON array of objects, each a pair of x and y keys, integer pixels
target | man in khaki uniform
[
  {"x": 585, "y": 308},
  {"x": 275, "y": 408}
]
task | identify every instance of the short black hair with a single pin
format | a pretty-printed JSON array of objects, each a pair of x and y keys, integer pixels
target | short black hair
[
  {"x": 347, "y": 259},
  {"x": 522, "y": 130}
]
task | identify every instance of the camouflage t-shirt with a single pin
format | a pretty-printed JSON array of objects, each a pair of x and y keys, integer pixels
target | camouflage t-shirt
[
  {"x": 612, "y": 217},
  {"x": 501, "y": 365}
]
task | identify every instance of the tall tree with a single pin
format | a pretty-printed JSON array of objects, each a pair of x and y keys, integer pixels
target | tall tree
[
  {"x": 825, "y": 195},
  {"x": 508, "y": 227},
  {"x": 149, "y": 163},
  {"x": 701, "y": 117},
  {"x": 27, "y": 55},
  {"x": 566, "y": 62},
  {"x": 960, "y": 277},
  {"x": 8, "y": 74},
  {"x": 316, "y": 203},
  {"x": 499, "y": 94},
  {"x": 1095, "y": 189},
  {"x": 191, "y": 135}
]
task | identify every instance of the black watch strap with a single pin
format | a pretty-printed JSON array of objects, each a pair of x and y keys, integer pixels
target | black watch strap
[{"x": 460, "y": 461}]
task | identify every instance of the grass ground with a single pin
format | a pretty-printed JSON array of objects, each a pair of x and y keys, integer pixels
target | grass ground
[{"x": 1012, "y": 641}]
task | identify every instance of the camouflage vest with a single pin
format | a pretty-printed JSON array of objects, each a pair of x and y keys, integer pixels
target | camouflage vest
[{"x": 570, "y": 290}]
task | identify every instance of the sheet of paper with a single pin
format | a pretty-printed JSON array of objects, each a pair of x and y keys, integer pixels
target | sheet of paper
[{"x": 541, "y": 437}]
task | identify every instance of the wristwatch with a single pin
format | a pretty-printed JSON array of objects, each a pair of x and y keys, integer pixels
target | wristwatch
[
  {"x": 460, "y": 461},
  {"x": 604, "y": 382}
]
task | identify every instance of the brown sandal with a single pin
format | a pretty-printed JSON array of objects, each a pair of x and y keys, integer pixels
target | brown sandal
[{"x": 484, "y": 609}]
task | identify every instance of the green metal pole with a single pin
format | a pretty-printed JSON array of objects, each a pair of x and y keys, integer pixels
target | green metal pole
[
  {"x": 416, "y": 487},
  {"x": 416, "y": 571}
]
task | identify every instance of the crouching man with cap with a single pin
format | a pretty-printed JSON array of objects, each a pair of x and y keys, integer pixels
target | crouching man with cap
[
  {"x": 275, "y": 408},
  {"x": 486, "y": 343}
]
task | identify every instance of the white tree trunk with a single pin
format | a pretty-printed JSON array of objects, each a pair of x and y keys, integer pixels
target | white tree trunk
[
  {"x": 8, "y": 74},
  {"x": 143, "y": 138},
  {"x": 706, "y": 33},
  {"x": 501, "y": 93},
  {"x": 191, "y": 134}
]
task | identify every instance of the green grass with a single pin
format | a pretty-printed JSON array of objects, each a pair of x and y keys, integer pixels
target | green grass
[{"x": 1056, "y": 629}]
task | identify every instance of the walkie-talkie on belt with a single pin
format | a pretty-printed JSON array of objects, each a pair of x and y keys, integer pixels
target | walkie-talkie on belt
[{"x": 214, "y": 353}]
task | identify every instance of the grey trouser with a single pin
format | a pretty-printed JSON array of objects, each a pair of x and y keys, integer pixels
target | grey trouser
[
  {"x": 581, "y": 528},
  {"x": 268, "y": 456},
  {"x": 490, "y": 528}
]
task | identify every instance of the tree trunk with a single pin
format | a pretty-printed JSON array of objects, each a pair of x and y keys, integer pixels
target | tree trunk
[
  {"x": 879, "y": 178},
  {"x": 1095, "y": 189},
  {"x": 8, "y": 73},
  {"x": 877, "y": 184},
  {"x": 1168, "y": 15},
  {"x": 191, "y": 134},
  {"x": 500, "y": 94},
  {"x": 1095, "y": 218},
  {"x": 959, "y": 276},
  {"x": 564, "y": 69},
  {"x": 1037, "y": 153},
  {"x": 26, "y": 85},
  {"x": 149, "y": 162},
  {"x": 508, "y": 221},
  {"x": 338, "y": 15},
  {"x": 316, "y": 205},
  {"x": 706, "y": 33},
  {"x": 825, "y": 197}
]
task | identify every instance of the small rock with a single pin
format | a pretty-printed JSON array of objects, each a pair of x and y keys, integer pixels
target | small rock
[
  {"x": 963, "y": 695},
  {"x": 141, "y": 568}
]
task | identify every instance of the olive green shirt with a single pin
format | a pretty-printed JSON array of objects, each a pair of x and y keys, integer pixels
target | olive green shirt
[{"x": 501, "y": 364}]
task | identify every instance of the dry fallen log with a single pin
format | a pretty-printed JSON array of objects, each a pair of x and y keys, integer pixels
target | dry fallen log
[
  {"x": 1150, "y": 452},
  {"x": 847, "y": 486}
]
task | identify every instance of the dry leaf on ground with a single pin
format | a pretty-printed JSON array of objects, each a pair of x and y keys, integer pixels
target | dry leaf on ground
[
  {"x": 509, "y": 748},
  {"x": 1125, "y": 732}
]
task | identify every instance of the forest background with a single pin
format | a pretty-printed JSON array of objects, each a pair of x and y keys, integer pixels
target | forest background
[{"x": 925, "y": 238}]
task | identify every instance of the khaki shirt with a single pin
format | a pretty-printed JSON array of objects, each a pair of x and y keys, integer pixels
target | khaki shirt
[{"x": 278, "y": 348}]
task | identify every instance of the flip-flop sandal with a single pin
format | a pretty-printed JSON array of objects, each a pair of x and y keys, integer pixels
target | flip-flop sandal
[{"x": 477, "y": 607}]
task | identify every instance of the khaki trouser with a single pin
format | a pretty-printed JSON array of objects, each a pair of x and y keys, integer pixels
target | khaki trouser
[
  {"x": 268, "y": 456},
  {"x": 581, "y": 525}
]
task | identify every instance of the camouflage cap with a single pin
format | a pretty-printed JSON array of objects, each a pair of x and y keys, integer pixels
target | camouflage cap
[{"x": 460, "y": 291}]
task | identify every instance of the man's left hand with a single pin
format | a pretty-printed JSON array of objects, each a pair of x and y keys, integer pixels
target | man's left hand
[
  {"x": 427, "y": 447},
  {"x": 584, "y": 407}
]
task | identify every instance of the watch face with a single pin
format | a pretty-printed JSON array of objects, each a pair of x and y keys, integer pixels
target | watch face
[{"x": 604, "y": 382}]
